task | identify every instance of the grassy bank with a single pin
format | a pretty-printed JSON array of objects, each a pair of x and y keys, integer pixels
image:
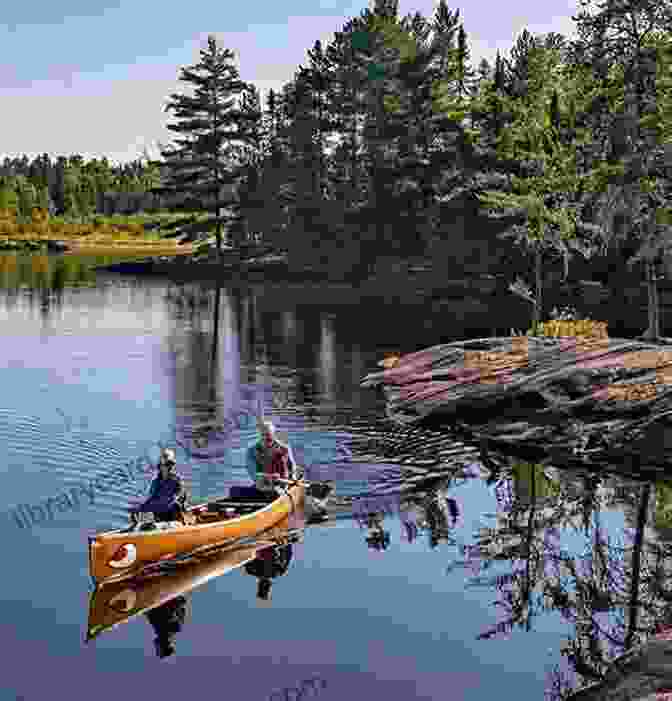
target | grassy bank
[{"x": 141, "y": 234}]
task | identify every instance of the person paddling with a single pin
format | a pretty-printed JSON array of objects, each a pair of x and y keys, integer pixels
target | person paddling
[
  {"x": 268, "y": 460},
  {"x": 271, "y": 458},
  {"x": 167, "y": 493}
]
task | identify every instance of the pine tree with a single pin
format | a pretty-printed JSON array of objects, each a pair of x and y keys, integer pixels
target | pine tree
[
  {"x": 58, "y": 191},
  {"x": 548, "y": 190},
  {"x": 249, "y": 211},
  {"x": 210, "y": 124},
  {"x": 9, "y": 200},
  {"x": 465, "y": 76},
  {"x": 71, "y": 193},
  {"x": 27, "y": 197},
  {"x": 624, "y": 43},
  {"x": 44, "y": 200}
]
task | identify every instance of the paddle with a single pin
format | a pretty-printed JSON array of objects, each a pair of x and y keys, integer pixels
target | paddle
[
  {"x": 317, "y": 495},
  {"x": 313, "y": 488}
]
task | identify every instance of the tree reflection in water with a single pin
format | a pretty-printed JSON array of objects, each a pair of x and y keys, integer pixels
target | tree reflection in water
[
  {"x": 426, "y": 508},
  {"x": 614, "y": 593}
]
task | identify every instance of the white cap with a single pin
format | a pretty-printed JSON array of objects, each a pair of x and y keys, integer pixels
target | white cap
[{"x": 266, "y": 426}]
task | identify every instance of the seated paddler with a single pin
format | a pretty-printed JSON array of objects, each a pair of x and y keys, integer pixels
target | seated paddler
[
  {"x": 167, "y": 493},
  {"x": 268, "y": 461}
]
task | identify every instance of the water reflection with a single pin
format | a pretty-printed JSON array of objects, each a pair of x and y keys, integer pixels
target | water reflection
[
  {"x": 591, "y": 547},
  {"x": 167, "y": 621},
  {"x": 377, "y": 537},
  {"x": 586, "y": 548},
  {"x": 34, "y": 286},
  {"x": 327, "y": 359},
  {"x": 425, "y": 507},
  {"x": 233, "y": 353},
  {"x": 610, "y": 589},
  {"x": 271, "y": 562},
  {"x": 160, "y": 591},
  {"x": 38, "y": 271}
]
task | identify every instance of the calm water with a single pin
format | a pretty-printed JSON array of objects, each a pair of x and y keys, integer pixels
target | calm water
[{"x": 99, "y": 370}]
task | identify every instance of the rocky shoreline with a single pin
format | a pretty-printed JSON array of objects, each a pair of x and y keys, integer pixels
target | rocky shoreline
[{"x": 602, "y": 400}]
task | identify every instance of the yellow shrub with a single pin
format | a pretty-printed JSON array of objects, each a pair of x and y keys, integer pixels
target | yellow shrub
[
  {"x": 39, "y": 215},
  {"x": 39, "y": 263},
  {"x": 7, "y": 263},
  {"x": 580, "y": 327}
]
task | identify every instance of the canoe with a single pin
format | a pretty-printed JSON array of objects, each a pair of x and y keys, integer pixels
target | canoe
[
  {"x": 120, "y": 601},
  {"x": 115, "y": 555}
]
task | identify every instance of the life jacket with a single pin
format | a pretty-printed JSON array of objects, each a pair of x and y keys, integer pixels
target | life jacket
[{"x": 279, "y": 462}]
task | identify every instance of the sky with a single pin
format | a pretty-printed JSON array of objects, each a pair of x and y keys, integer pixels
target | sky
[{"x": 93, "y": 76}]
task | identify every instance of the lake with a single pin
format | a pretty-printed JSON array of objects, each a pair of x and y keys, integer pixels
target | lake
[{"x": 98, "y": 370}]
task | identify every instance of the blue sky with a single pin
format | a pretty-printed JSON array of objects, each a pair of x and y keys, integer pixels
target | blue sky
[{"x": 93, "y": 76}]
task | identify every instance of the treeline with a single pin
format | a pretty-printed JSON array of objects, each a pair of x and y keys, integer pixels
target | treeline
[
  {"x": 389, "y": 140},
  {"x": 390, "y": 135},
  {"x": 75, "y": 188}
]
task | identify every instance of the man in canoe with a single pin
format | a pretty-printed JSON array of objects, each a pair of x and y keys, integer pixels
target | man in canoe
[
  {"x": 268, "y": 461},
  {"x": 167, "y": 493}
]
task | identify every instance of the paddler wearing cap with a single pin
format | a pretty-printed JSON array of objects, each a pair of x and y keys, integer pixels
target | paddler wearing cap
[{"x": 167, "y": 493}]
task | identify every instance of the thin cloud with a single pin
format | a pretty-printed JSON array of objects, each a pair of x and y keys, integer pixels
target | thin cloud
[{"x": 63, "y": 108}]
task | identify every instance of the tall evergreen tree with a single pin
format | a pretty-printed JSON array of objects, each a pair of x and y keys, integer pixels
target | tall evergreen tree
[
  {"x": 44, "y": 200},
  {"x": 58, "y": 187},
  {"x": 619, "y": 42},
  {"x": 248, "y": 217},
  {"x": 209, "y": 123},
  {"x": 9, "y": 200},
  {"x": 27, "y": 196},
  {"x": 548, "y": 190},
  {"x": 71, "y": 200}
]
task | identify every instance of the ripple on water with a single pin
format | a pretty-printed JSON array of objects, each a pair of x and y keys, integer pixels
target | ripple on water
[
  {"x": 75, "y": 463},
  {"x": 78, "y": 458}
]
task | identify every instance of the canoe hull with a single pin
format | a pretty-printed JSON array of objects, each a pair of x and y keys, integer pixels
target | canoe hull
[
  {"x": 122, "y": 600},
  {"x": 143, "y": 548}
]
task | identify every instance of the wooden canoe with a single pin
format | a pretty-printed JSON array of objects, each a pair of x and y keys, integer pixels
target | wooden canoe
[
  {"x": 119, "y": 554},
  {"x": 119, "y": 601}
]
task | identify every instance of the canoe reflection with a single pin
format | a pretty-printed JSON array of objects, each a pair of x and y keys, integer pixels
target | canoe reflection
[{"x": 159, "y": 594}]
